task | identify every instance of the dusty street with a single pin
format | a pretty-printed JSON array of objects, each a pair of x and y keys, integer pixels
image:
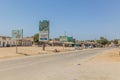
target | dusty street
[{"x": 68, "y": 66}]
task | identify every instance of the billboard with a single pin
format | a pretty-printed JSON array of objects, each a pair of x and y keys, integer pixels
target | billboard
[
  {"x": 66, "y": 39},
  {"x": 63, "y": 38},
  {"x": 70, "y": 39},
  {"x": 17, "y": 34},
  {"x": 44, "y": 30}
]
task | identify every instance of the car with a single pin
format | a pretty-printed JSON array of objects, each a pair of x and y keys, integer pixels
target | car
[{"x": 78, "y": 48}]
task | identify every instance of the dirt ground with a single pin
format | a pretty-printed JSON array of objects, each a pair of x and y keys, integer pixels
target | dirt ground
[
  {"x": 112, "y": 55},
  {"x": 26, "y": 51},
  {"x": 105, "y": 66}
]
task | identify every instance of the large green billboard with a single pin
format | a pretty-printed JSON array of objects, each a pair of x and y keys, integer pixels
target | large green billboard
[
  {"x": 44, "y": 26},
  {"x": 70, "y": 39},
  {"x": 44, "y": 30}
]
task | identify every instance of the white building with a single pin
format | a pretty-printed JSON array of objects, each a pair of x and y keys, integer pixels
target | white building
[
  {"x": 6, "y": 41},
  {"x": 27, "y": 41}
]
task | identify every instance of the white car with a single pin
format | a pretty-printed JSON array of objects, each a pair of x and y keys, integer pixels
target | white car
[{"x": 78, "y": 48}]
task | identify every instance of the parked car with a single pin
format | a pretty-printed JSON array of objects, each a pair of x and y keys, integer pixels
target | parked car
[{"x": 78, "y": 48}]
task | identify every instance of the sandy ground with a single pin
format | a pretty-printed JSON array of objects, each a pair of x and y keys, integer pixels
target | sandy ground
[
  {"x": 105, "y": 66},
  {"x": 112, "y": 55},
  {"x": 9, "y": 52}
]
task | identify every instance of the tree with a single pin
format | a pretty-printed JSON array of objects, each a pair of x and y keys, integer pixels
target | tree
[
  {"x": 57, "y": 39},
  {"x": 36, "y": 38},
  {"x": 115, "y": 41},
  {"x": 103, "y": 41}
]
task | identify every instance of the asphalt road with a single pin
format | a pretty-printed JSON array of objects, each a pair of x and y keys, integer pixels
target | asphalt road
[{"x": 45, "y": 67}]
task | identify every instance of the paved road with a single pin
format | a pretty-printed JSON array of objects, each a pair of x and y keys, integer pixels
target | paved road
[{"x": 45, "y": 67}]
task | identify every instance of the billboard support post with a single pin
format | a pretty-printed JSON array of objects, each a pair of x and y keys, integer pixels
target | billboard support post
[{"x": 43, "y": 46}]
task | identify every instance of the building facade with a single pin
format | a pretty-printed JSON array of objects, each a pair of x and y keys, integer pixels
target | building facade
[
  {"x": 27, "y": 41},
  {"x": 7, "y": 41}
]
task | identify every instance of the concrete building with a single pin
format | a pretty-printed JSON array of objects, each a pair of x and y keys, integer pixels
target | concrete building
[
  {"x": 27, "y": 41},
  {"x": 9, "y": 42},
  {"x": 6, "y": 41}
]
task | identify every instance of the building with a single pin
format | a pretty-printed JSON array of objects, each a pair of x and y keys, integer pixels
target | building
[
  {"x": 7, "y": 41},
  {"x": 27, "y": 41}
]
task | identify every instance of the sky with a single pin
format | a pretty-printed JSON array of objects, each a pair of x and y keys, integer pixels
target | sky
[{"x": 82, "y": 19}]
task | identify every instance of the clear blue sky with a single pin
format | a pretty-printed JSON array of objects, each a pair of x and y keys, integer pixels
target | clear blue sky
[{"x": 83, "y": 19}]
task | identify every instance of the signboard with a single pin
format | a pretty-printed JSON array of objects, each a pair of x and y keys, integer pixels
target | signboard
[
  {"x": 66, "y": 39},
  {"x": 70, "y": 39},
  {"x": 63, "y": 38},
  {"x": 43, "y": 36},
  {"x": 17, "y": 34},
  {"x": 44, "y": 30}
]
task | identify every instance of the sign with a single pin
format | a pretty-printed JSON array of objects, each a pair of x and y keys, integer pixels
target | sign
[
  {"x": 63, "y": 38},
  {"x": 17, "y": 34},
  {"x": 66, "y": 39},
  {"x": 43, "y": 36},
  {"x": 70, "y": 39},
  {"x": 44, "y": 30}
]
